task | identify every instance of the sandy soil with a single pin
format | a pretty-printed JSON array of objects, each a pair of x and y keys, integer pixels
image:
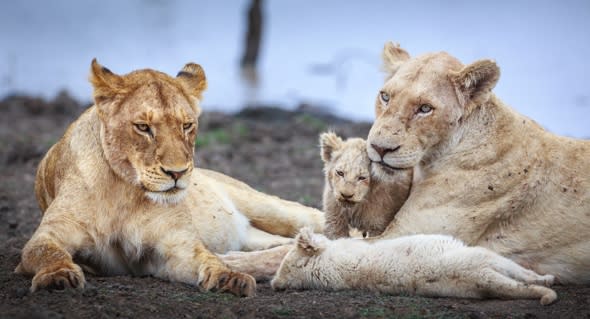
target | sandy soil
[{"x": 274, "y": 151}]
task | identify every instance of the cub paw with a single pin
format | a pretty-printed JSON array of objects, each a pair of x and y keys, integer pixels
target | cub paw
[
  {"x": 225, "y": 280},
  {"x": 547, "y": 280},
  {"x": 59, "y": 277}
]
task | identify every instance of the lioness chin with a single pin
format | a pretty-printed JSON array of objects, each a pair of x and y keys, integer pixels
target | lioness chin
[{"x": 119, "y": 193}]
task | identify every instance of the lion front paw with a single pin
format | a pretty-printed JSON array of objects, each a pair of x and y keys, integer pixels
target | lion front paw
[
  {"x": 59, "y": 277},
  {"x": 225, "y": 280}
]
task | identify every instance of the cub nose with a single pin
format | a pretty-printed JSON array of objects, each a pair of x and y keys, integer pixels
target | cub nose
[
  {"x": 346, "y": 196},
  {"x": 174, "y": 174},
  {"x": 383, "y": 150}
]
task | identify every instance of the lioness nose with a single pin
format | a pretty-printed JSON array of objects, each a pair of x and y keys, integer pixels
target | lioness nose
[
  {"x": 383, "y": 150},
  {"x": 174, "y": 174}
]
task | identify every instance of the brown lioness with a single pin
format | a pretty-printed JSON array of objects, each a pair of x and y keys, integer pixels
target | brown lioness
[
  {"x": 120, "y": 195},
  {"x": 482, "y": 172}
]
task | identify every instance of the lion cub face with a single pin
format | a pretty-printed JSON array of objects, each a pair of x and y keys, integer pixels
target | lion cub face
[
  {"x": 422, "y": 105},
  {"x": 347, "y": 168},
  {"x": 148, "y": 127}
]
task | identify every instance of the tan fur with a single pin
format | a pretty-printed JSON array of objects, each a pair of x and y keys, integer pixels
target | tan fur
[
  {"x": 482, "y": 172},
  {"x": 120, "y": 195},
  {"x": 352, "y": 198}
]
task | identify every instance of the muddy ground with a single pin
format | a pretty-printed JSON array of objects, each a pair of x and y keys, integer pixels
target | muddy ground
[{"x": 271, "y": 149}]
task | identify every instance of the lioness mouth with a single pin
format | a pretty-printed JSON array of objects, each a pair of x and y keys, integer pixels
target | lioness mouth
[
  {"x": 387, "y": 168},
  {"x": 173, "y": 190},
  {"x": 170, "y": 191}
]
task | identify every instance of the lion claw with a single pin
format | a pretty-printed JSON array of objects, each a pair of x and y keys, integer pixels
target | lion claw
[
  {"x": 236, "y": 283},
  {"x": 61, "y": 277}
]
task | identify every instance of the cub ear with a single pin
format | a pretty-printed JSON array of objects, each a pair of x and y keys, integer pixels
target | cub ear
[
  {"x": 106, "y": 83},
  {"x": 393, "y": 57},
  {"x": 309, "y": 243},
  {"x": 329, "y": 142},
  {"x": 193, "y": 79},
  {"x": 474, "y": 82}
]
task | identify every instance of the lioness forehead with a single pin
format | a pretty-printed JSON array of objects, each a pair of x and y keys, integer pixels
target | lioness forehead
[
  {"x": 155, "y": 99},
  {"x": 424, "y": 79},
  {"x": 432, "y": 69}
]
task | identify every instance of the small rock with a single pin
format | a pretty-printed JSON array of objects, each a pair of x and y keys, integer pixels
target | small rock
[{"x": 20, "y": 292}]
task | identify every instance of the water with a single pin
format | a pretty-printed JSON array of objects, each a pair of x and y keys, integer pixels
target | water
[{"x": 323, "y": 52}]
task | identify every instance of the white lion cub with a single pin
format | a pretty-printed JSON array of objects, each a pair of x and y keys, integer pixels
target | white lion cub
[
  {"x": 352, "y": 198},
  {"x": 427, "y": 265}
]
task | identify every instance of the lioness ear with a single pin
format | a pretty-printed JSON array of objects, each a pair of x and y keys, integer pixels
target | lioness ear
[
  {"x": 329, "y": 142},
  {"x": 106, "y": 83},
  {"x": 193, "y": 79},
  {"x": 474, "y": 82},
  {"x": 393, "y": 57},
  {"x": 308, "y": 242}
]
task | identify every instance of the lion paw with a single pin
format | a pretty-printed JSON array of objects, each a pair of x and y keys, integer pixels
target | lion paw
[
  {"x": 59, "y": 277},
  {"x": 225, "y": 280}
]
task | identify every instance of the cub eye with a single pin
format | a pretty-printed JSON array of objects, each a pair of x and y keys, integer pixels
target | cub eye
[
  {"x": 340, "y": 173},
  {"x": 361, "y": 178},
  {"x": 142, "y": 127},
  {"x": 384, "y": 97},
  {"x": 425, "y": 108},
  {"x": 187, "y": 126}
]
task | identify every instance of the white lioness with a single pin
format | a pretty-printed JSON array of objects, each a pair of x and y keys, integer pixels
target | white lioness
[
  {"x": 120, "y": 195},
  {"x": 352, "y": 198},
  {"x": 427, "y": 265},
  {"x": 482, "y": 172}
]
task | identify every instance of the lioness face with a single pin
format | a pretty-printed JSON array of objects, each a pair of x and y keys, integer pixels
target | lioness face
[
  {"x": 416, "y": 109},
  {"x": 421, "y": 107},
  {"x": 148, "y": 127},
  {"x": 347, "y": 168}
]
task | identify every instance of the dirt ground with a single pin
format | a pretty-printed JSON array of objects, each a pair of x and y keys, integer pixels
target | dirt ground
[{"x": 271, "y": 149}]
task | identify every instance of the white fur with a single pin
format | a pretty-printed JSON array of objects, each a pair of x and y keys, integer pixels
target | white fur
[
  {"x": 162, "y": 198},
  {"x": 429, "y": 265}
]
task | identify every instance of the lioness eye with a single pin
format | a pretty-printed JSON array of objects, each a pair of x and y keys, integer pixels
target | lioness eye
[
  {"x": 340, "y": 173},
  {"x": 142, "y": 127},
  {"x": 385, "y": 97},
  {"x": 361, "y": 178},
  {"x": 187, "y": 126},
  {"x": 425, "y": 108}
]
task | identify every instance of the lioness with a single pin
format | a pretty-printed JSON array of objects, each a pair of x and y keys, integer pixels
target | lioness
[
  {"x": 426, "y": 265},
  {"x": 352, "y": 198},
  {"x": 120, "y": 195},
  {"x": 482, "y": 172}
]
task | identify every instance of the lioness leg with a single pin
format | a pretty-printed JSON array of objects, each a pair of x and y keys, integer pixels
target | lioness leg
[
  {"x": 262, "y": 264},
  {"x": 259, "y": 240},
  {"x": 191, "y": 262},
  {"x": 47, "y": 256},
  {"x": 269, "y": 213}
]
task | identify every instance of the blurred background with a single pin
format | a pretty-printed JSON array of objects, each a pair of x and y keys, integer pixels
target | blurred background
[{"x": 292, "y": 52}]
